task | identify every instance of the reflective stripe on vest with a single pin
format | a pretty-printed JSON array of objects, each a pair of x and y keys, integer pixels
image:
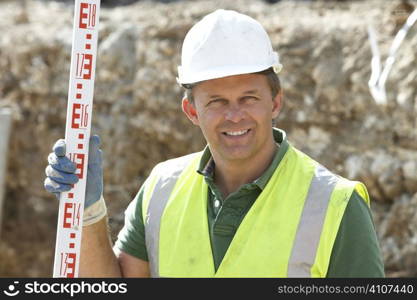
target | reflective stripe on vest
[
  {"x": 303, "y": 254},
  {"x": 311, "y": 223},
  {"x": 155, "y": 210},
  {"x": 156, "y": 206}
]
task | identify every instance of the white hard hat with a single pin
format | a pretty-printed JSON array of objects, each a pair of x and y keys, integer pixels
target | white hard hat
[{"x": 225, "y": 43}]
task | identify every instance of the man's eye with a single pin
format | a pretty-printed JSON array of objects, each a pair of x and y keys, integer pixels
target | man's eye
[
  {"x": 249, "y": 98},
  {"x": 214, "y": 101}
]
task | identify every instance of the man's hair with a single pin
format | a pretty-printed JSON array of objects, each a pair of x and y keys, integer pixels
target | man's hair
[{"x": 271, "y": 76}]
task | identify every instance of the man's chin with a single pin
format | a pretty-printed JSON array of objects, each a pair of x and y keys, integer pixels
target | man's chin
[{"x": 237, "y": 154}]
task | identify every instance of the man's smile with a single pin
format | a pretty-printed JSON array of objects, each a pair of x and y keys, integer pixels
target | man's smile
[{"x": 236, "y": 132}]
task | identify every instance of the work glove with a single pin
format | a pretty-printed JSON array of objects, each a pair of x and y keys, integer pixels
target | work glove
[{"x": 61, "y": 175}]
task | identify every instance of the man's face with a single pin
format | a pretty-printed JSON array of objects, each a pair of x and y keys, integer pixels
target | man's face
[{"x": 235, "y": 115}]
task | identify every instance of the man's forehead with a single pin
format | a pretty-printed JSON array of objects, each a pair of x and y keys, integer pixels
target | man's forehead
[{"x": 247, "y": 83}]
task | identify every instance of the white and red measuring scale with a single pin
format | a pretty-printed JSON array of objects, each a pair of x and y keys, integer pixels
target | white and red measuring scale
[{"x": 77, "y": 135}]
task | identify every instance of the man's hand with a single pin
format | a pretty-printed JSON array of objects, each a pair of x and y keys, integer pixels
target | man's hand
[{"x": 61, "y": 175}]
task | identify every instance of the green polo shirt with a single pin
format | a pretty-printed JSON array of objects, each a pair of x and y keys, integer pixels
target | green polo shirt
[{"x": 355, "y": 253}]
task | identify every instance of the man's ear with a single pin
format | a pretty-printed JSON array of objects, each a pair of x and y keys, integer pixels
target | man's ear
[
  {"x": 189, "y": 109},
  {"x": 277, "y": 104}
]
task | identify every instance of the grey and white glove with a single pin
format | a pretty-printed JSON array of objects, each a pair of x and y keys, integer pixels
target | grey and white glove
[{"x": 61, "y": 175}]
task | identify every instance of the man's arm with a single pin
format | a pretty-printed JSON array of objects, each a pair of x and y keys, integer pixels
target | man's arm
[
  {"x": 130, "y": 247},
  {"x": 132, "y": 266},
  {"x": 99, "y": 260}
]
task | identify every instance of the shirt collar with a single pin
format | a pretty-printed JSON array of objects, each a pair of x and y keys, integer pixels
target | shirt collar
[{"x": 207, "y": 164}]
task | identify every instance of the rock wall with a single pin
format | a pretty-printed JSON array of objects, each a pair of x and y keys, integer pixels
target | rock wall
[{"x": 328, "y": 110}]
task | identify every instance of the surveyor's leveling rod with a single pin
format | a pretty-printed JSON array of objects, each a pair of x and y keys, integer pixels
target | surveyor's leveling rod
[{"x": 77, "y": 134}]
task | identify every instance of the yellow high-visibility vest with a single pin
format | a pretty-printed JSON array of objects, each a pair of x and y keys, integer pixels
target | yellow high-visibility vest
[{"x": 288, "y": 232}]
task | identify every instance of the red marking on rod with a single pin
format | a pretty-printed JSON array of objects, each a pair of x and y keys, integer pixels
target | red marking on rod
[
  {"x": 88, "y": 36},
  {"x": 87, "y": 14},
  {"x": 69, "y": 263},
  {"x": 80, "y": 146},
  {"x": 78, "y": 96},
  {"x": 78, "y": 214},
  {"x": 87, "y": 46},
  {"x": 81, "y": 135},
  {"x": 75, "y": 116},
  {"x": 78, "y": 159},
  {"x": 84, "y": 63},
  {"x": 67, "y": 215},
  {"x": 71, "y": 214},
  {"x": 60, "y": 265},
  {"x": 71, "y": 245},
  {"x": 79, "y": 86},
  {"x": 72, "y": 235},
  {"x": 83, "y": 15},
  {"x": 79, "y": 115},
  {"x": 80, "y": 165},
  {"x": 77, "y": 68},
  {"x": 70, "y": 195}
]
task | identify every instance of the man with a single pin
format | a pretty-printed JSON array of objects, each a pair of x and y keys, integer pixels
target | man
[{"x": 250, "y": 204}]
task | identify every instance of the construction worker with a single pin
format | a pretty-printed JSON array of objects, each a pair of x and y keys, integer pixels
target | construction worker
[{"x": 248, "y": 205}]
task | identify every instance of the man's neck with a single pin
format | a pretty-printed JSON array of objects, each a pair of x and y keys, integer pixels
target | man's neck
[{"x": 229, "y": 176}]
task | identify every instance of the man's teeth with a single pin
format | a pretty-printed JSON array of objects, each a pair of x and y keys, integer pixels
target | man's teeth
[{"x": 237, "y": 132}]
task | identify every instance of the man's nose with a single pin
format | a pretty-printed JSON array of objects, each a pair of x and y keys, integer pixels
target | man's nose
[{"x": 234, "y": 113}]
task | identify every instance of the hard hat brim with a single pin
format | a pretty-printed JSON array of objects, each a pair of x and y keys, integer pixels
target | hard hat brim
[{"x": 222, "y": 72}]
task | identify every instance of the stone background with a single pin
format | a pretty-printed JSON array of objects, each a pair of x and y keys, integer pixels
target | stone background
[{"x": 328, "y": 111}]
